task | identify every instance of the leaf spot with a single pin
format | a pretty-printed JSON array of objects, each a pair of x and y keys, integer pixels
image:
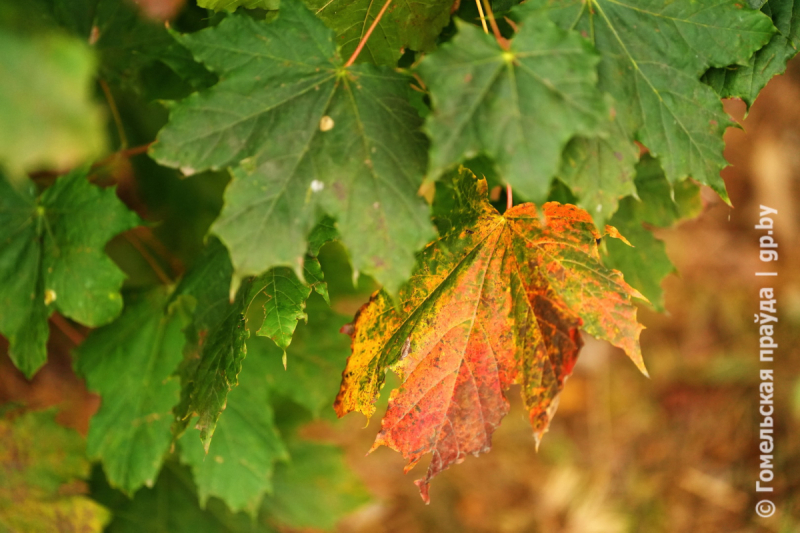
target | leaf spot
[
  {"x": 326, "y": 123},
  {"x": 49, "y": 296}
]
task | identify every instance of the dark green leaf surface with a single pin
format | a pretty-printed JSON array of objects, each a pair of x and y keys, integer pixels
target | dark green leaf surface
[
  {"x": 746, "y": 81},
  {"x": 130, "y": 364},
  {"x": 49, "y": 120},
  {"x": 600, "y": 170},
  {"x": 413, "y": 25},
  {"x": 231, "y": 5},
  {"x": 126, "y": 41},
  {"x": 286, "y": 295},
  {"x": 519, "y": 106},
  {"x": 322, "y": 233},
  {"x": 23, "y": 313},
  {"x": 653, "y": 54},
  {"x": 209, "y": 375},
  {"x": 315, "y": 489},
  {"x": 208, "y": 283},
  {"x": 239, "y": 464},
  {"x": 171, "y": 506},
  {"x": 51, "y": 258},
  {"x": 284, "y": 306},
  {"x": 219, "y": 329},
  {"x": 302, "y": 135},
  {"x": 645, "y": 264}
]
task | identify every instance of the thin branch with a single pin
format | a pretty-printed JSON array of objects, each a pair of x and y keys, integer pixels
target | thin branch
[
  {"x": 512, "y": 24},
  {"x": 136, "y": 150},
  {"x": 66, "y": 328},
  {"x": 502, "y": 41},
  {"x": 127, "y": 153},
  {"x": 365, "y": 38},
  {"x": 136, "y": 243},
  {"x": 483, "y": 17},
  {"x": 123, "y": 140},
  {"x": 419, "y": 80},
  {"x": 509, "y": 197}
]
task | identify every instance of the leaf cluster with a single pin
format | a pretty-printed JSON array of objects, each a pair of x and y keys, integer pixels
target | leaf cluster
[{"x": 274, "y": 129}]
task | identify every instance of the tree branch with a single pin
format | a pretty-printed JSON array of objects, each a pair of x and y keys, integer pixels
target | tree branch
[{"x": 365, "y": 38}]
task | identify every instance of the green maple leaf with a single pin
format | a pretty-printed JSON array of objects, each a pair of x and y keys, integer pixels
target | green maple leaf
[
  {"x": 41, "y": 468},
  {"x": 600, "y": 170},
  {"x": 52, "y": 259},
  {"x": 127, "y": 43},
  {"x": 653, "y": 54},
  {"x": 230, "y": 394},
  {"x": 214, "y": 352},
  {"x": 302, "y": 135},
  {"x": 211, "y": 368},
  {"x": 519, "y": 107},
  {"x": 315, "y": 489},
  {"x": 130, "y": 363},
  {"x": 413, "y": 25},
  {"x": 211, "y": 372},
  {"x": 215, "y": 339},
  {"x": 286, "y": 295},
  {"x": 171, "y": 506},
  {"x": 285, "y": 301},
  {"x": 746, "y": 81},
  {"x": 48, "y": 116},
  {"x": 646, "y": 264},
  {"x": 207, "y": 282},
  {"x": 238, "y": 467},
  {"x": 231, "y": 5}
]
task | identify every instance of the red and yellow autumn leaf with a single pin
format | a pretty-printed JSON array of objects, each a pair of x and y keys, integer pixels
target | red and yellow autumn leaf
[{"x": 498, "y": 300}]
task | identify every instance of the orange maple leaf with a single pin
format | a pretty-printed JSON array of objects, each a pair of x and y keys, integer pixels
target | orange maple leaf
[{"x": 498, "y": 300}]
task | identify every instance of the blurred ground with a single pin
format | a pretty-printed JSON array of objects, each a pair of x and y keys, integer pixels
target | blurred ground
[{"x": 676, "y": 453}]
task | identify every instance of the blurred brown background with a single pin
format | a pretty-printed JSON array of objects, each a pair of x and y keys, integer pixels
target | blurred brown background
[{"x": 675, "y": 453}]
